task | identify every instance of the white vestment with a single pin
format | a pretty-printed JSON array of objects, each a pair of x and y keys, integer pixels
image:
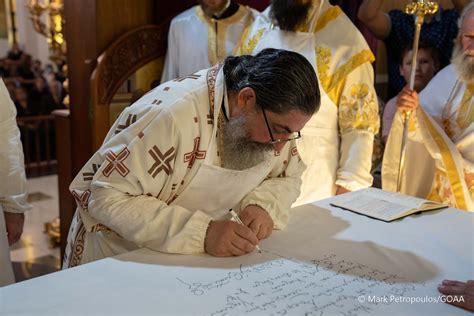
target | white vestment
[
  {"x": 337, "y": 143},
  {"x": 439, "y": 161},
  {"x": 197, "y": 41},
  {"x": 156, "y": 182},
  {"x": 13, "y": 197}
]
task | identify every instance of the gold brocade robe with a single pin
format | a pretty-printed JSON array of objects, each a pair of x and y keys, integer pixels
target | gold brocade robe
[{"x": 337, "y": 142}]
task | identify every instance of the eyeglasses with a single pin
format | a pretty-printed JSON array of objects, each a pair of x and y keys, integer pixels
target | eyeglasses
[{"x": 296, "y": 135}]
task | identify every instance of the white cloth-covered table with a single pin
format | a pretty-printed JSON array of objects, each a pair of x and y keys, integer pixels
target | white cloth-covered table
[{"x": 327, "y": 260}]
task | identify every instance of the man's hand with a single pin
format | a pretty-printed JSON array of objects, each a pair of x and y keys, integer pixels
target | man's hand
[
  {"x": 258, "y": 220},
  {"x": 463, "y": 291},
  {"x": 407, "y": 100},
  {"x": 14, "y": 223},
  {"x": 341, "y": 190},
  {"x": 228, "y": 238}
]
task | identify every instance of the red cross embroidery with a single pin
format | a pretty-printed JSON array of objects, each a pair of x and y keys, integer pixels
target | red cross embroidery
[
  {"x": 87, "y": 176},
  {"x": 162, "y": 161},
  {"x": 294, "y": 151},
  {"x": 192, "y": 76},
  {"x": 83, "y": 199},
  {"x": 132, "y": 118},
  {"x": 116, "y": 162},
  {"x": 195, "y": 154}
]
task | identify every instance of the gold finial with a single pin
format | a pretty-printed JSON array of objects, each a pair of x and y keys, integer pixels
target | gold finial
[{"x": 421, "y": 7}]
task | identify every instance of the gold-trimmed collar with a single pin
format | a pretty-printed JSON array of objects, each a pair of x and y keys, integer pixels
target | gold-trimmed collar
[{"x": 237, "y": 16}]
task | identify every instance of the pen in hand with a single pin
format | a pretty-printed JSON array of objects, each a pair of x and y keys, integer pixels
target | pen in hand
[{"x": 236, "y": 218}]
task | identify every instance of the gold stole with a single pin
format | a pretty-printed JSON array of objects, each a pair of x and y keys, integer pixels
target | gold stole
[{"x": 216, "y": 32}]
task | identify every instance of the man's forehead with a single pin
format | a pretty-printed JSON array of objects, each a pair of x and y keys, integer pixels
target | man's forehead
[{"x": 468, "y": 22}]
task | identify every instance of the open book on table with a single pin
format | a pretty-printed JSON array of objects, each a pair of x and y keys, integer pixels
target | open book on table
[{"x": 387, "y": 206}]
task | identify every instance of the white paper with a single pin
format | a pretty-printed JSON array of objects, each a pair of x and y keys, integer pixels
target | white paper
[{"x": 284, "y": 286}]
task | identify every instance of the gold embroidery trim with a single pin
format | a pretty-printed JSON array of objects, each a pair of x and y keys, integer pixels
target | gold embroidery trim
[
  {"x": 355, "y": 61},
  {"x": 216, "y": 32},
  {"x": 448, "y": 160},
  {"x": 358, "y": 110},
  {"x": 324, "y": 19},
  {"x": 333, "y": 85},
  {"x": 328, "y": 16},
  {"x": 434, "y": 194},
  {"x": 323, "y": 59},
  {"x": 248, "y": 48},
  {"x": 466, "y": 110}
]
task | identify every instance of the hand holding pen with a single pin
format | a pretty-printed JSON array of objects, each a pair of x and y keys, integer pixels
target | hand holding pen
[
  {"x": 258, "y": 220},
  {"x": 236, "y": 218}
]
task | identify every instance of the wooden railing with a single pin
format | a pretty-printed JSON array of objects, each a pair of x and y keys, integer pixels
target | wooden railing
[{"x": 39, "y": 145}]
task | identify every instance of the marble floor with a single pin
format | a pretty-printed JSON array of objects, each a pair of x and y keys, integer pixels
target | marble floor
[{"x": 36, "y": 254}]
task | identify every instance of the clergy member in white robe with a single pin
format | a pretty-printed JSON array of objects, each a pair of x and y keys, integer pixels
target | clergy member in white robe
[
  {"x": 439, "y": 161},
  {"x": 337, "y": 143},
  {"x": 177, "y": 160},
  {"x": 204, "y": 35},
  {"x": 13, "y": 197}
]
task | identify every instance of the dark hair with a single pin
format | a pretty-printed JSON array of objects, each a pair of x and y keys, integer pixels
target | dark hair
[
  {"x": 408, "y": 46},
  {"x": 283, "y": 81},
  {"x": 289, "y": 14}
]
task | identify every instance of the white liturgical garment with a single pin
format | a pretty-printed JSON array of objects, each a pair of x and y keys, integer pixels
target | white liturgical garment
[
  {"x": 337, "y": 143},
  {"x": 157, "y": 180},
  {"x": 13, "y": 197},
  {"x": 439, "y": 161},
  {"x": 196, "y": 41}
]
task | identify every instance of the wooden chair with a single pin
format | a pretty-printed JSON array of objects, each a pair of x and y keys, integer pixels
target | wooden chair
[{"x": 116, "y": 64}]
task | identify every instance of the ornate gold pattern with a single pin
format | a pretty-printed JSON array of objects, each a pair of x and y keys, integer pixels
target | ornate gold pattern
[
  {"x": 466, "y": 110},
  {"x": 51, "y": 12},
  {"x": 211, "y": 85},
  {"x": 328, "y": 16},
  {"x": 334, "y": 84},
  {"x": 127, "y": 54},
  {"x": 441, "y": 191},
  {"x": 359, "y": 110},
  {"x": 323, "y": 60},
  {"x": 77, "y": 246},
  {"x": 247, "y": 49},
  {"x": 453, "y": 178}
]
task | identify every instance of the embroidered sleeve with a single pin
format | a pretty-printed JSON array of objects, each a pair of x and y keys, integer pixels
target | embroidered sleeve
[
  {"x": 132, "y": 190},
  {"x": 13, "y": 197},
  {"x": 358, "y": 123},
  {"x": 358, "y": 106}
]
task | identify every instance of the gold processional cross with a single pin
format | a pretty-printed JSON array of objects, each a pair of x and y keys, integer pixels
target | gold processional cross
[{"x": 418, "y": 8}]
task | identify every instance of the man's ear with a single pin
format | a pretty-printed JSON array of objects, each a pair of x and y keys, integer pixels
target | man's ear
[{"x": 246, "y": 99}]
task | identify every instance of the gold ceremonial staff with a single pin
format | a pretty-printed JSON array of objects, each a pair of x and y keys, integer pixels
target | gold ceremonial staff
[{"x": 419, "y": 8}]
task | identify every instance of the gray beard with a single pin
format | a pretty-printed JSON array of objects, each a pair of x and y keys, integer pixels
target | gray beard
[
  {"x": 238, "y": 152},
  {"x": 463, "y": 64}
]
